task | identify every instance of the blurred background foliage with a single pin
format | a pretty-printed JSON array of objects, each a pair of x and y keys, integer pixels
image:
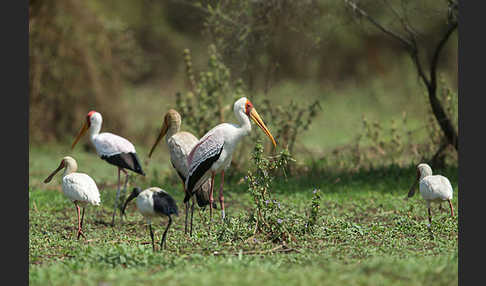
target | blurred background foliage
[{"x": 330, "y": 87}]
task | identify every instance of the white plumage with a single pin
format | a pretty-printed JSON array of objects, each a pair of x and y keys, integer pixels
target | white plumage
[
  {"x": 109, "y": 144},
  {"x": 80, "y": 188},
  {"x": 433, "y": 188},
  {"x": 145, "y": 204},
  {"x": 213, "y": 153}
]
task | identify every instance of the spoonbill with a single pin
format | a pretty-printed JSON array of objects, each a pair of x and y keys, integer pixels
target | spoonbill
[
  {"x": 433, "y": 188},
  {"x": 180, "y": 144},
  {"x": 153, "y": 202},
  {"x": 80, "y": 188},
  {"x": 112, "y": 148},
  {"x": 214, "y": 151}
]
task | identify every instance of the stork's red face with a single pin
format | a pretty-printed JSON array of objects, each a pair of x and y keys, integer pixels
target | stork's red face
[
  {"x": 248, "y": 107},
  {"x": 88, "y": 117}
]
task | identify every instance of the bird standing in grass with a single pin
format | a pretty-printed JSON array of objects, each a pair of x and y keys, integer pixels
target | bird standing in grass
[
  {"x": 214, "y": 151},
  {"x": 112, "y": 148},
  {"x": 433, "y": 188},
  {"x": 180, "y": 144},
  {"x": 80, "y": 188},
  {"x": 153, "y": 202}
]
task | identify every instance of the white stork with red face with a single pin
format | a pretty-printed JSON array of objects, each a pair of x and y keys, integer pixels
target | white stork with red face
[
  {"x": 214, "y": 151},
  {"x": 180, "y": 144},
  {"x": 112, "y": 148},
  {"x": 80, "y": 188}
]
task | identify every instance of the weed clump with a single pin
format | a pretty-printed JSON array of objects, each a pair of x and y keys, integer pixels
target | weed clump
[{"x": 271, "y": 218}]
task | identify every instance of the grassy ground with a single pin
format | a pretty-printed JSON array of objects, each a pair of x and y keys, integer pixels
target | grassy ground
[{"x": 366, "y": 233}]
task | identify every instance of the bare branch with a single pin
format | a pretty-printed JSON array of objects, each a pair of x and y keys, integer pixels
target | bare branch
[
  {"x": 202, "y": 9},
  {"x": 405, "y": 24},
  {"x": 418, "y": 64},
  {"x": 435, "y": 59},
  {"x": 362, "y": 13}
]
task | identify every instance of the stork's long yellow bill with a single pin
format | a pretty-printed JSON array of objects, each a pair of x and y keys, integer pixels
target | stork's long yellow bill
[
  {"x": 163, "y": 131},
  {"x": 80, "y": 134},
  {"x": 258, "y": 120}
]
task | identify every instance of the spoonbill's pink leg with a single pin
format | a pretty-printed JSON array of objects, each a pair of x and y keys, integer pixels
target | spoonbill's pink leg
[{"x": 80, "y": 232}]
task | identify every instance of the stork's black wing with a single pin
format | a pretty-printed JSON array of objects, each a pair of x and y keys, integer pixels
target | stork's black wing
[
  {"x": 164, "y": 203},
  {"x": 126, "y": 161},
  {"x": 200, "y": 160}
]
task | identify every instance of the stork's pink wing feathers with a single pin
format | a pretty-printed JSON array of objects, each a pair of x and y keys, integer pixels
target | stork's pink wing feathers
[{"x": 109, "y": 144}]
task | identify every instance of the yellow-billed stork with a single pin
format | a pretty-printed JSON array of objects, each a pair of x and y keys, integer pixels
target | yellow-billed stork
[
  {"x": 153, "y": 202},
  {"x": 180, "y": 144},
  {"x": 433, "y": 188},
  {"x": 112, "y": 148},
  {"x": 214, "y": 151},
  {"x": 80, "y": 188}
]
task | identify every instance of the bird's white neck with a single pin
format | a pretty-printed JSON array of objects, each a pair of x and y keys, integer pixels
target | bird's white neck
[
  {"x": 424, "y": 174},
  {"x": 69, "y": 169},
  {"x": 245, "y": 124},
  {"x": 94, "y": 129}
]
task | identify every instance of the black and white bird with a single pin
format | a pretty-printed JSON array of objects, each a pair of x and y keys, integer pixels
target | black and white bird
[
  {"x": 214, "y": 151},
  {"x": 112, "y": 148},
  {"x": 80, "y": 188},
  {"x": 180, "y": 144},
  {"x": 154, "y": 202},
  {"x": 433, "y": 188}
]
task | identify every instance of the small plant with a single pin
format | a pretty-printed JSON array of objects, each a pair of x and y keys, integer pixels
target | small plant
[
  {"x": 314, "y": 210},
  {"x": 270, "y": 217}
]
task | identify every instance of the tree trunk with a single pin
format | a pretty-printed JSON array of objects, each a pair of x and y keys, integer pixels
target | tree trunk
[{"x": 439, "y": 113}]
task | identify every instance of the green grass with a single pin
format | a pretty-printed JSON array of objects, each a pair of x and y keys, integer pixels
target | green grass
[{"x": 366, "y": 233}]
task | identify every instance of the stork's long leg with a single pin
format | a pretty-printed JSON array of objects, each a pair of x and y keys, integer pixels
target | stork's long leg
[
  {"x": 186, "y": 207},
  {"x": 452, "y": 209},
  {"x": 151, "y": 236},
  {"x": 165, "y": 233},
  {"x": 186, "y": 211},
  {"x": 116, "y": 199},
  {"x": 192, "y": 213},
  {"x": 80, "y": 232},
  {"x": 221, "y": 198},
  {"x": 430, "y": 217},
  {"x": 211, "y": 200},
  {"x": 124, "y": 192}
]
